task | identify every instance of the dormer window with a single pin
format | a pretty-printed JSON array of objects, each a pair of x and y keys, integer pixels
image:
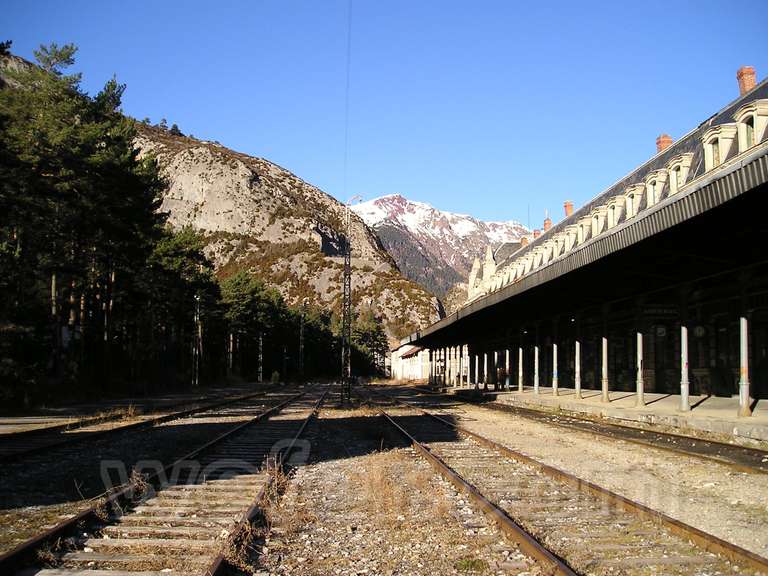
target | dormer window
[
  {"x": 571, "y": 237},
  {"x": 652, "y": 193},
  {"x": 679, "y": 167},
  {"x": 536, "y": 258},
  {"x": 598, "y": 220},
  {"x": 585, "y": 226},
  {"x": 718, "y": 142},
  {"x": 751, "y": 123},
  {"x": 615, "y": 208},
  {"x": 559, "y": 245},
  {"x": 543, "y": 255},
  {"x": 654, "y": 186},
  {"x": 749, "y": 131},
  {"x": 633, "y": 196}
]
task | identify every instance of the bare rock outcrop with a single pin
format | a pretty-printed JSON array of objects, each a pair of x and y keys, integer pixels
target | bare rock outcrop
[{"x": 259, "y": 216}]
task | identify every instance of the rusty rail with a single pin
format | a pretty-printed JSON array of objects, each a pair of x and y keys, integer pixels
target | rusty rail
[
  {"x": 75, "y": 439},
  {"x": 25, "y": 552},
  {"x": 551, "y": 563},
  {"x": 705, "y": 540},
  {"x": 219, "y": 564},
  {"x": 624, "y": 432}
]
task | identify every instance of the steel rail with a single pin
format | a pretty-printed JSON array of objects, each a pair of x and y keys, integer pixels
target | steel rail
[
  {"x": 76, "y": 422},
  {"x": 219, "y": 564},
  {"x": 149, "y": 423},
  {"x": 761, "y": 454},
  {"x": 528, "y": 544},
  {"x": 537, "y": 415},
  {"x": 704, "y": 540},
  {"x": 25, "y": 552}
]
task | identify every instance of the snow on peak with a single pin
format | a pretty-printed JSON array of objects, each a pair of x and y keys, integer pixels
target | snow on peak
[{"x": 421, "y": 219}]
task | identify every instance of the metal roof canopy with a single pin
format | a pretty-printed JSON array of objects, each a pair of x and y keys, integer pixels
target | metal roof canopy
[{"x": 714, "y": 189}]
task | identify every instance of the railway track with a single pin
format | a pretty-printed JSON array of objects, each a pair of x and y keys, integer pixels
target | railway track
[
  {"x": 188, "y": 525},
  {"x": 569, "y": 525},
  {"x": 741, "y": 458},
  {"x": 21, "y": 445}
]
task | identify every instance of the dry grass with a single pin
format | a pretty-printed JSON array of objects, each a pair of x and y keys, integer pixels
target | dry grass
[
  {"x": 421, "y": 481},
  {"x": 276, "y": 517},
  {"x": 418, "y": 479},
  {"x": 390, "y": 495},
  {"x": 138, "y": 484},
  {"x": 276, "y": 485},
  {"x": 241, "y": 549},
  {"x": 382, "y": 495},
  {"x": 48, "y": 555},
  {"x": 105, "y": 509},
  {"x": 368, "y": 410},
  {"x": 238, "y": 549}
]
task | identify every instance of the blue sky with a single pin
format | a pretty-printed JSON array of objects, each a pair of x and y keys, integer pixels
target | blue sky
[{"x": 497, "y": 109}]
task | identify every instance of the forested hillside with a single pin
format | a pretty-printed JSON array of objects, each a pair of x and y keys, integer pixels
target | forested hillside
[{"x": 97, "y": 293}]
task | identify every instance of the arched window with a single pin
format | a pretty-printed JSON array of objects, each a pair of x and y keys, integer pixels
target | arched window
[
  {"x": 718, "y": 144},
  {"x": 679, "y": 167},
  {"x": 654, "y": 186},
  {"x": 652, "y": 193},
  {"x": 631, "y": 208},
  {"x": 751, "y": 122},
  {"x": 749, "y": 131},
  {"x": 715, "y": 147}
]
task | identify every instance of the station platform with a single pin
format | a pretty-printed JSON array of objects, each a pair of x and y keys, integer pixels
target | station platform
[{"x": 708, "y": 413}]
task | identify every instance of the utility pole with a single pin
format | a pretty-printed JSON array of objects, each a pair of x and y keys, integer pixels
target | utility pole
[
  {"x": 285, "y": 363},
  {"x": 261, "y": 356},
  {"x": 346, "y": 310},
  {"x": 197, "y": 348},
  {"x": 301, "y": 339}
]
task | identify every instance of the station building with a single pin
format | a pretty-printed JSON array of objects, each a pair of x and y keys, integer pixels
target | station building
[{"x": 657, "y": 285}]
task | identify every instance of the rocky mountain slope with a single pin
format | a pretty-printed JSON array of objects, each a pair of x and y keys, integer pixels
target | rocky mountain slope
[
  {"x": 259, "y": 216},
  {"x": 433, "y": 247}
]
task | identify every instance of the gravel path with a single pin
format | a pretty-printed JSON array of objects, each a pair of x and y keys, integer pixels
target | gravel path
[
  {"x": 712, "y": 497},
  {"x": 357, "y": 510}
]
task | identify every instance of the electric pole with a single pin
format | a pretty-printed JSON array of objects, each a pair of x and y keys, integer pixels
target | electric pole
[
  {"x": 197, "y": 347},
  {"x": 346, "y": 310},
  {"x": 261, "y": 356},
  {"x": 301, "y": 339}
]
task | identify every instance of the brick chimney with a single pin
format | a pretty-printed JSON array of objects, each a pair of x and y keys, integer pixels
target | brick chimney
[
  {"x": 536, "y": 233},
  {"x": 746, "y": 77},
  {"x": 663, "y": 142},
  {"x": 524, "y": 241},
  {"x": 568, "y": 205},
  {"x": 547, "y": 223}
]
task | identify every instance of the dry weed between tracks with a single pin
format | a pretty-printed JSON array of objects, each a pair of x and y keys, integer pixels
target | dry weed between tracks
[
  {"x": 241, "y": 549},
  {"x": 382, "y": 513}
]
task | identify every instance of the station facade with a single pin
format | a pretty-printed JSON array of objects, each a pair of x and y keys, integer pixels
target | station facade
[{"x": 659, "y": 284}]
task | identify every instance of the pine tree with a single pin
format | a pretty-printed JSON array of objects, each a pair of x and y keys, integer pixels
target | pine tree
[{"x": 78, "y": 214}]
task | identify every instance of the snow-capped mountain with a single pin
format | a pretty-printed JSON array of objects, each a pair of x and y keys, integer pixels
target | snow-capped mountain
[{"x": 433, "y": 247}]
